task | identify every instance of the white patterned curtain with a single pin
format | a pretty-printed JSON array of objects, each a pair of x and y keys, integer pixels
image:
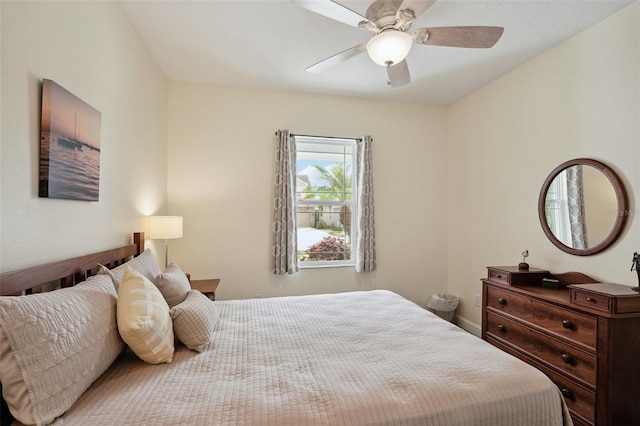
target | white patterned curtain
[
  {"x": 284, "y": 251},
  {"x": 575, "y": 202},
  {"x": 365, "y": 238}
]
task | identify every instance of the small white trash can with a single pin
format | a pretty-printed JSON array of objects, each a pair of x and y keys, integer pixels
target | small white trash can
[{"x": 443, "y": 305}]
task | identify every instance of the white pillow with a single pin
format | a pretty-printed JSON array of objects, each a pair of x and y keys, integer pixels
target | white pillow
[
  {"x": 61, "y": 341},
  {"x": 145, "y": 263},
  {"x": 173, "y": 284},
  {"x": 143, "y": 319},
  {"x": 194, "y": 320}
]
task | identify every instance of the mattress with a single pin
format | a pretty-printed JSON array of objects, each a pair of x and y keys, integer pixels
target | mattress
[{"x": 369, "y": 357}]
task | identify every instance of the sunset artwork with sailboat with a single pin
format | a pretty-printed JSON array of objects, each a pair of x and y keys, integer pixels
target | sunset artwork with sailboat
[{"x": 69, "y": 146}]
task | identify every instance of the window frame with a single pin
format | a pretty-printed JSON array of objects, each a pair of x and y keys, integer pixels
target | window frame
[
  {"x": 558, "y": 210},
  {"x": 353, "y": 203}
]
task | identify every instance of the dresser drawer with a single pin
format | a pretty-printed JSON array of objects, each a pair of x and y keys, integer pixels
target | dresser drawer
[
  {"x": 499, "y": 276},
  {"x": 568, "y": 359},
  {"x": 600, "y": 302},
  {"x": 579, "y": 328},
  {"x": 580, "y": 401},
  {"x": 606, "y": 297}
]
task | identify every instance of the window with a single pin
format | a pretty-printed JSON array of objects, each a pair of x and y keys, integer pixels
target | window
[
  {"x": 325, "y": 177},
  {"x": 557, "y": 209},
  {"x": 315, "y": 184}
]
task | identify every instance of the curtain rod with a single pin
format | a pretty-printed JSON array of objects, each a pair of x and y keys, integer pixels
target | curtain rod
[{"x": 318, "y": 137}]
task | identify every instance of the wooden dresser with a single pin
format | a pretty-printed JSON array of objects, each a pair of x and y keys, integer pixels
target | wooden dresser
[{"x": 586, "y": 338}]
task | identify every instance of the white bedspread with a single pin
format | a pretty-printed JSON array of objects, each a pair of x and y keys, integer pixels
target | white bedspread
[{"x": 339, "y": 359}]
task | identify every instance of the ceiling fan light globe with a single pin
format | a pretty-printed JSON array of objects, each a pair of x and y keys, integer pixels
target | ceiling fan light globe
[{"x": 389, "y": 46}]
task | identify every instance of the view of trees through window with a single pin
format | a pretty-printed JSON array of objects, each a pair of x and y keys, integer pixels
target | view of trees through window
[{"x": 325, "y": 201}]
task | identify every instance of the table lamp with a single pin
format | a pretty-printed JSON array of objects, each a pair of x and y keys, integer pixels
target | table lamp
[{"x": 165, "y": 228}]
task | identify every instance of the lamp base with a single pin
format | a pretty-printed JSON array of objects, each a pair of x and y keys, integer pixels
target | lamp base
[{"x": 166, "y": 254}]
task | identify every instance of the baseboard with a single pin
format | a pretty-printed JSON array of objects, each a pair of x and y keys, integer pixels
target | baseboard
[{"x": 469, "y": 326}]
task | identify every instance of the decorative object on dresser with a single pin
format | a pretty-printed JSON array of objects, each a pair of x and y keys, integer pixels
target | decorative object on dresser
[
  {"x": 635, "y": 266},
  {"x": 165, "y": 228},
  {"x": 206, "y": 287},
  {"x": 583, "y": 335},
  {"x": 524, "y": 266},
  {"x": 583, "y": 206}
]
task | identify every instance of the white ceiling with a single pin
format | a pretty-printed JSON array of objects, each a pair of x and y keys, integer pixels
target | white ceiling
[{"x": 269, "y": 43}]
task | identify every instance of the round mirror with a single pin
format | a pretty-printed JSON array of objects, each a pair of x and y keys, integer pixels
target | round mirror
[{"x": 582, "y": 206}]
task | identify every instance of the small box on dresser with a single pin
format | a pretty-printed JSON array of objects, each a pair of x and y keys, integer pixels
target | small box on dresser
[
  {"x": 585, "y": 337},
  {"x": 512, "y": 275}
]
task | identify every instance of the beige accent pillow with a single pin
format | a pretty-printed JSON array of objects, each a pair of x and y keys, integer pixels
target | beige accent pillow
[
  {"x": 194, "y": 320},
  {"x": 173, "y": 284},
  {"x": 145, "y": 263},
  {"x": 59, "y": 342},
  {"x": 143, "y": 319}
]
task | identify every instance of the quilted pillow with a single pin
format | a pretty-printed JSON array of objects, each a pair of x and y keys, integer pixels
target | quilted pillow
[
  {"x": 61, "y": 342},
  {"x": 194, "y": 320},
  {"x": 143, "y": 319},
  {"x": 173, "y": 284},
  {"x": 145, "y": 263}
]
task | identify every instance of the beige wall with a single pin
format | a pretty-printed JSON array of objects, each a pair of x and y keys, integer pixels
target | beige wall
[
  {"x": 221, "y": 161},
  {"x": 580, "y": 99},
  {"x": 90, "y": 49}
]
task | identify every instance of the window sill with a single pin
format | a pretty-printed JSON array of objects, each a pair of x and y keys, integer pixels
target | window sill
[{"x": 342, "y": 265}]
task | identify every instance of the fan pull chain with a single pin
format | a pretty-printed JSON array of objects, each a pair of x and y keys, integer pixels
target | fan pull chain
[{"x": 388, "y": 63}]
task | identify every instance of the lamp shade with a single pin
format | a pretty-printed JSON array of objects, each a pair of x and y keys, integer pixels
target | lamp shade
[
  {"x": 165, "y": 227},
  {"x": 389, "y": 46}
]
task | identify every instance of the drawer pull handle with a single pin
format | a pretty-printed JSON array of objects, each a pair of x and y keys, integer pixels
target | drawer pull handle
[
  {"x": 499, "y": 276},
  {"x": 566, "y": 393},
  {"x": 590, "y": 299},
  {"x": 502, "y": 328},
  {"x": 502, "y": 301},
  {"x": 567, "y": 324},
  {"x": 567, "y": 358}
]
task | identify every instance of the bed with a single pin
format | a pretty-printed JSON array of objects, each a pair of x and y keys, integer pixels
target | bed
[{"x": 365, "y": 357}]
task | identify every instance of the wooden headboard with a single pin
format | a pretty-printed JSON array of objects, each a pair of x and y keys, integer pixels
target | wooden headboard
[
  {"x": 68, "y": 272},
  {"x": 63, "y": 273}
]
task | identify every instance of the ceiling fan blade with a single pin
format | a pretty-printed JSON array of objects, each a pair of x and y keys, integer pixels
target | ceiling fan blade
[
  {"x": 418, "y": 7},
  {"x": 398, "y": 74},
  {"x": 474, "y": 37},
  {"x": 334, "y": 11},
  {"x": 334, "y": 60}
]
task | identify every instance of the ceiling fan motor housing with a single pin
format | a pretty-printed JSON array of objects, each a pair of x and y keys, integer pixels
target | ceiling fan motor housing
[{"x": 383, "y": 13}]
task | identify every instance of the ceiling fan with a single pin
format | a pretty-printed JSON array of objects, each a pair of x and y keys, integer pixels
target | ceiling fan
[{"x": 389, "y": 21}]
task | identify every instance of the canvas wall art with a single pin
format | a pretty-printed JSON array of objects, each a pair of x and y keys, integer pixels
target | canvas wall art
[{"x": 69, "y": 146}]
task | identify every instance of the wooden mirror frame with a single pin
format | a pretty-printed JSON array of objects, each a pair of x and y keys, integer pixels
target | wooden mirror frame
[{"x": 621, "y": 213}]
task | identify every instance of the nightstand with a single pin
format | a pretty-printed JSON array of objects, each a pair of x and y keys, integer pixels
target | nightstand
[{"x": 206, "y": 287}]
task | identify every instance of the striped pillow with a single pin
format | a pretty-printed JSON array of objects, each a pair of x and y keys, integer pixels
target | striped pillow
[
  {"x": 143, "y": 319},
  {"x": 194, "y": 320},
  {"x": 173, "y": 284}
]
